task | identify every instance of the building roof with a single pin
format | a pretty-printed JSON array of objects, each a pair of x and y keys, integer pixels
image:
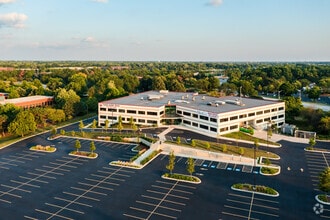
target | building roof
[
  {"x": 26, "y": 99},
  {"x": 191, "y": 100}
]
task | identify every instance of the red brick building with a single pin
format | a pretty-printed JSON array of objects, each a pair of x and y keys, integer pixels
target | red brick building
[{"x": 30, "y": 101}]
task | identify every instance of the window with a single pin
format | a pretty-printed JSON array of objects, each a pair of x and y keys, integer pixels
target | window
[
  {"x": 280, "y": 124},
  {"x": 194, "y": 124},
  {"x": 204, "y": 127},
  {"x": 112, "y": 110},
  {"x": 186, "y": 113},
  {"x": 267, "y": 119},
  {"x": 252, "y": 114},
  {"x": 179, "y": 112},
  {"x": 186, "y": 122},
  {"x": 151, "y": 121},
  {"x": 141, "y": 112},
  {"x": 223, "y": 119},
  {"x": 161, "y": 113},
  {"x": 213, "y": 129},
  {"x": 151, "y": 113},
  {"x": 281, "y": 116},
  {"x": 274, "y": 110},
  {"x": 259, "y": 121},
  {"x": 242, "y": 116},
  {"x": 281, "y": 108},
  {"x": 103, "y": 116},
  {"x": 142, "y": 120},
  {"x": 103, "y": 109},
  {"x": 233, "y": 118},
  {"x": 223, "y": 129},
  {"x": 266, "y": 111},
  {"x": 131, "y": 111},
  {"x": 233, "y": 127},
  {"x": 204, "y": 117},
  {"x": 259, "y": 113},
  {"x": 274, "y": 117},
  {"x": 121, "y": 110},
  {"x": 195, "y": 115},
  {"x": 213, "y": 119}
]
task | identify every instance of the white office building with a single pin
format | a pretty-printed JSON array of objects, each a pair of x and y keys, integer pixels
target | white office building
[{"x": 198, "y": 112}]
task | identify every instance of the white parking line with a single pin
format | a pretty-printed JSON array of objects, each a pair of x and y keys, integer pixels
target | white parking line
[
  {"x": 249, "y": 217},
  {"x": 79, "y": 195},
  {"x": 78, "y": 203},
  {"x": 117, "y": 174},
  {"x": 99, "y": 187},
  {"x": 66, "y": 165},
  {"x": 28, "y": 178},
  {"x": 88, "y": 191},
  {"x": 24, "y": 183},
  {"x": 52, "y": 214},
  {"x": 57, "y": 168},
  {"x": 156, "y": 198},
  {"x": 239, "y": 216},
  {"x": 35, "y": 174},
  {"x": 65, "y": 208},
  {"x": 14, "y": 188},
  {"x": 325, "y": 159},
  {"x": 164, "y": 207},
  {"x": 105, "y": 182},
  {"x": 49, "y": 171}
]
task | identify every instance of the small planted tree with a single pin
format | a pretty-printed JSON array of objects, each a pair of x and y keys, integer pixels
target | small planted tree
[
  {"x": 178, "y": 140},
  {"x": 106, "y": 125},
  {"x": 224, "y": 148},
  {"x": 312, "y": 142},
  {"x": 171, "y": 162},
  {"x": 190, "y": 166},
  {"x": 73, "y": 133},
  {"x": 207, "y": 145},
  {"x": 241, "y": 151},
  {"x": 92, "y": 147},
  {"x": 77, "y": 145},
  {"x": 94, "y": 124},
  {"x": 54, "y": 131},
  {"x": 324, "y": 182},
  {"x": 81, "y": 125},
  {"x": 193, "y": 143},
  {"x": 62, "y": 132},
  {"x": 120, "y": 124}
]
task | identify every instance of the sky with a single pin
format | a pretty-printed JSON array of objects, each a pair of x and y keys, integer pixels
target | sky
[{"x": 165, "y": 30}]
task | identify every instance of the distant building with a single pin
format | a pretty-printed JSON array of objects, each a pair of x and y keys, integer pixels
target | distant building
[
  {"x": 30, "y": 101},
  {"x": 222, "y": 79},
  {"x": 198, "y": 112}
]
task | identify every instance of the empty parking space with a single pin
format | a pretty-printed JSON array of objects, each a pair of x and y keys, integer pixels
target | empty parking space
[
  {"x": 79, "y": 199},
  {"x": 164, "y": 199},
  {"x": 242, "y": 205},
  {"x": 19, "y": 158},
  {"x": 37, "y": 178},
  {"x": 316, "y": 163}
]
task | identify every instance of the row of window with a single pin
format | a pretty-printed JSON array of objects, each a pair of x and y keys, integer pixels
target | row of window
[
  {"x": 128, "y": 119},
  {"x": 269, "y": 119},
  {"x": 129, "y": 111}
]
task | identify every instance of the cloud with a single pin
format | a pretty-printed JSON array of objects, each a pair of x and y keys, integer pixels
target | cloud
[
  {"x": 2, "y": 2},
  {"x": 215, "y": 3},
  {"x": 12, "y": 20},
  {"x": 88, "y": 40},
  {"x": 98, "y": 1}
]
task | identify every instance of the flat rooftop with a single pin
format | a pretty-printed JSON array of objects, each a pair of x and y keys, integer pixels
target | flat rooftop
[
  {"x": 26, "y": 99},
  {"x": 191, "y": 100}
]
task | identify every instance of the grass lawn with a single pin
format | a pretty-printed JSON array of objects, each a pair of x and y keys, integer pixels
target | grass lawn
[{"x": 246, "y": 137}]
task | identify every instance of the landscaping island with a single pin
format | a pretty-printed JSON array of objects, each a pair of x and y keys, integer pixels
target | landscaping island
[
  {"x": 182, "y": 177},
  {"x": 84, "y": 154},
  {"x": 48, "y": 149},
  {"x": 258, "y": 189}
]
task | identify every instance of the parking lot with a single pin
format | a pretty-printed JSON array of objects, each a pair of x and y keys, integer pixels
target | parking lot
[{"x": 59, "y": 186}]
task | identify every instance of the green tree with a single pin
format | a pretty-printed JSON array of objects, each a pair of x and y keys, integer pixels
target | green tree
[
  {"x": 106, "y": 125},
  {"x": 94, "y": 124},
  {"x": 53, "y": 131},
  {"x": 81, "y": 125},
  {"x": 55, "y": 115},
  {"x": 171, "y": 162},
  {"x": 190, "y": 165},
  {"x": 67, "y": 100},
  {"x": 92, "y": 147},
  {"x": 23, "y": 124},
  {"x": 324, "y": 125},
  {"x": 62, "y": 132},
  {"x": 207, "y": 145},
  {"x": 312, "y": 142},
  {"x": 3, "y": 120},
  {"x": 193, "y": 143},
  {"x": 241, "y": 151},
  {"x": 224, "y": 148},
  {"x": 178, "y": 140},
  {"x": 314, "y": 93},
  {"x": 158, "y": 83},
  {"x": 77, "y": 145},
  {"x": 73, "y": 133},
  {"x": 120, "y": 124},
  {"x": 324, "y": 181}
]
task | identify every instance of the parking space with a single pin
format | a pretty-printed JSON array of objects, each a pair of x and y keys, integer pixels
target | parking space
[
  {"x": 242, "y": 205},
  {"x": 316, "y": 163},
  {"x": 79, "y": 199},
  {"x": 206, "y": 164},
  {"x": 18, "y": 159},
  {"x": 164, "y": 199},
  {"x": 17, "y": 187}
]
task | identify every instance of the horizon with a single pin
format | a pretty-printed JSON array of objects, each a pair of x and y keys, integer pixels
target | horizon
[{"x": 165, "y": 31}]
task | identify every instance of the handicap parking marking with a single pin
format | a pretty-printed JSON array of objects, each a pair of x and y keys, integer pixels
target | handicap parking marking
[
  {"x": 222, "y": 165},
  {"x": 238, "y": 168},
  {"x": 230, "y": 166},
  {"x": 199, "y": 162},
  {"x": 247, "y": 169}
]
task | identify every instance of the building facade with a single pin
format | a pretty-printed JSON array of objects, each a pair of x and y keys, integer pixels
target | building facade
[
  {"x": 30, "y": 101},
  {"x": 198, "y": 112}
]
